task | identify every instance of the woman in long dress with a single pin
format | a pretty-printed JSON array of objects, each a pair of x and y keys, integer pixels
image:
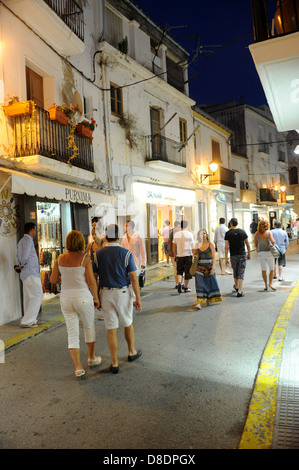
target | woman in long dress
[{"x": 207, "y": 289}]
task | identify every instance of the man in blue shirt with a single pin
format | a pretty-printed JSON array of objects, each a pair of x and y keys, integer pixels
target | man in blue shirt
[
  {"x": 282, "y": 240},
  {"x": 117, "y": 271},
  {"x": 30, "y": 276}
]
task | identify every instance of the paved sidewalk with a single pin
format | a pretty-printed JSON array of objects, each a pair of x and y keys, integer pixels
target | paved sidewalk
[{"x": 12, "y": 334}]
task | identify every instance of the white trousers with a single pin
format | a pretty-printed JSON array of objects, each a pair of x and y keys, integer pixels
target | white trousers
[
  {"x": 74, "y": 309},
  {"x": 32, "y": 299}
]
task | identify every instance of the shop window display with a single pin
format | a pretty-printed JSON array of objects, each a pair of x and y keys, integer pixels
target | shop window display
[{"x": 49, "y": 239}]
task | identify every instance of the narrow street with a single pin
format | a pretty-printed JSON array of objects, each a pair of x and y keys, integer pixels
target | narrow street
[{"x": 190, "y": 389}]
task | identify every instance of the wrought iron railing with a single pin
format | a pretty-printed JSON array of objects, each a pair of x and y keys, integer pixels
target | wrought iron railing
[
  {"x": 223, "y": 176},
  {"x": 164, "y": 149},
  {"x": 271, "y": 19},
  {"x": 41, "y": 136},
  {"x": 71, "y": 13}
]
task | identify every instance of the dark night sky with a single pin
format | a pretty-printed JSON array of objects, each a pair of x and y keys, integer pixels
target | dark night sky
[{"x": 228, "y": 73}]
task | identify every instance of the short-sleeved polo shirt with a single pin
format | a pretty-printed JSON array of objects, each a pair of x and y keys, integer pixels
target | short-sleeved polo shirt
[{"x": 113, "y": 265}]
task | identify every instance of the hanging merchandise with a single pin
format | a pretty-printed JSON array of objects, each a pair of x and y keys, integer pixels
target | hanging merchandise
[{"x": 49, "y": 239}]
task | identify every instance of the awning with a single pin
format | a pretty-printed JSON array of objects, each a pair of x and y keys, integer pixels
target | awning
[{"x": 22, "y": 183}]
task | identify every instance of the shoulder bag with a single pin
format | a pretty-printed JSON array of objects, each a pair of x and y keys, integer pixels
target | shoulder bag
[{"x": 274, "y": 248}]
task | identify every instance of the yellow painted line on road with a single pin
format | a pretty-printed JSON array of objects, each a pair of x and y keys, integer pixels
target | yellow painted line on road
[
  {"x": 31, "y": 332},
  {"x": 259, "y": 426}
]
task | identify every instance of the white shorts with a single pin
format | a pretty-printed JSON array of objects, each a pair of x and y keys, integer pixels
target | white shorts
[
  {"x": 117, "y": 307},
  {"x": 221, "y": 251},
  {"x": 75, "y": 309},
  {"x": 266, "y": 259}
]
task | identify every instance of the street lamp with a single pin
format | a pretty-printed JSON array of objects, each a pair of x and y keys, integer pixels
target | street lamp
[
  {"x": 297, "y": 150},
  {"x": 213, "y": 166},
  {"x": 283, "y": 188}
]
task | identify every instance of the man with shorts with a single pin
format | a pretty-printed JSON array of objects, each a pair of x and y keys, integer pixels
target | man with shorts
[
  {"x": 116, "y": 269},
  {"x": 183, "y": 250},
  {"x": 219, "y": 240},
  {"x": 282, "y": 240},
  {"x": 235, "y": 240}
]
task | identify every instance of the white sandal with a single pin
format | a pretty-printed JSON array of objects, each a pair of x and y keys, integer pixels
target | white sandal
[
  {"x": 97, "y": 361},
  {"x": 80, "y": 373}
]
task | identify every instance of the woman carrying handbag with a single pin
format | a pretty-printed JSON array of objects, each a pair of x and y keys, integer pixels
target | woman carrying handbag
[{"x": 207, "y": 289}]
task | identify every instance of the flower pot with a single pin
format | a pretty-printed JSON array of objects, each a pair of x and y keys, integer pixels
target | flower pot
[
  {"x": 18, "y": 109},
  {"x": 58, "y": 116},
  {"x": 84, "y": 131},
  {"x": 286, "y": 22}
]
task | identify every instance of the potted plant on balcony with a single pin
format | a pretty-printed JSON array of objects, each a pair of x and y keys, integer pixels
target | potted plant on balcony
[
  {"x": 61, "y": 113},
  {"x": 86, "y": 128},
  {"x": 16, "y": 107}
]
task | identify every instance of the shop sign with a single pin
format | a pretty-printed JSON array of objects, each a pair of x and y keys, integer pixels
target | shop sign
[
  {"x": 74, "y": 195},
  {"x": 221, "y": 197}
]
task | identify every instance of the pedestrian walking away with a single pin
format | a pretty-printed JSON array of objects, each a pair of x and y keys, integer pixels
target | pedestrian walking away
[
  {"x": 183, "y": 250},
  {"x": 78, "y": 298},
  {"x": 282, "y": 241},
  {"x": 261, "y": 241},
  {"x": 235, "y": 241},
  {"x": 165, "y": 232},
  {"x": 118, "y": 276},
  {"x": 30, "y": 277},
  {"x": 133, "y": 242},
  {"x": 207, "y": 289},
  {"x": 92, "y": 247},
  {"x": 219, "y": 240},
  {"x": 176, "y": 227}
]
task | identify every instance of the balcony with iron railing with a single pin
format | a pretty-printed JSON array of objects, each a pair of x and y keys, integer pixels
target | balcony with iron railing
[
  {"x": 222, "y": 177},
  {"x": 159, "y": 149},
  {"x": 41, "y": 136},
  {"x": 58, "y": 22},
  {"x": 70, "y": 13}
]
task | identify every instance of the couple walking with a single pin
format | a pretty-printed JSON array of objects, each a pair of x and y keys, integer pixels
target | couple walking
[{"x": 79, "y": 296}]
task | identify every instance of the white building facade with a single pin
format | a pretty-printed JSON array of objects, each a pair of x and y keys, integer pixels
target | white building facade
[{"x": 145, "y": 158}]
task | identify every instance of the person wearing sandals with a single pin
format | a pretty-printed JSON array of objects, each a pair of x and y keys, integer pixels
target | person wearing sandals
[
  {"x": 266, "y": 259},
  {"x": 78, "y": 298},
  {"x": 119, "y": 293},
  {"x": 183, "y": 250},
  {"x": 207, "y": 289}
]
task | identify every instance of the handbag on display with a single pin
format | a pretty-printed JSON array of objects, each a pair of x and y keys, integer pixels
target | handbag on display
[{"x": 141, "y": 278}]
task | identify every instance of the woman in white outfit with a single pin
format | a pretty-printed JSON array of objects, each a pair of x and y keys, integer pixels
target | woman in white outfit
[
  {"x": 78, "y": 298},
  {"x": 261, "y": 242}
]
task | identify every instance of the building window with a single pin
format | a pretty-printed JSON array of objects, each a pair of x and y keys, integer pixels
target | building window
[
  {"x": 183, "y": 131},
  {"x": 293, "y": 175},
  {"x": 116, "y": 100},
  {"x": 216, "y": 154}
]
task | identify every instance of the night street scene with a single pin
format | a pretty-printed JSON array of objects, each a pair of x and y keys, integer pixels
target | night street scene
[{"x": 149, "y": 229}]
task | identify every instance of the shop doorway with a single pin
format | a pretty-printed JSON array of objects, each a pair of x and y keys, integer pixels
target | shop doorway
[
  {"x": 164, "y": 213},
  {"x": 49, "y": 240}
]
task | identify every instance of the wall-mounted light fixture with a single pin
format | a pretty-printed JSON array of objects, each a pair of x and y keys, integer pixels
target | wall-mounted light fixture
[
  {"x": 283, "y": 188},
  {"x": 213, "y": 166},
  {"x": 296, "y": 150}
]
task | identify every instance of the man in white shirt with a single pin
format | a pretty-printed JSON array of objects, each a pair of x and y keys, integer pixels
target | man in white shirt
[
  {"x": 30, "y": 276},
  {"x": 219, "y": 240},
  {"x": 183, "y": 250},
  {"x": 133, "y": 242}
]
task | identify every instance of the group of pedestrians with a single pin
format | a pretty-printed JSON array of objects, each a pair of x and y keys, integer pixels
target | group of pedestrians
[{"x": 105, "y": 276}]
